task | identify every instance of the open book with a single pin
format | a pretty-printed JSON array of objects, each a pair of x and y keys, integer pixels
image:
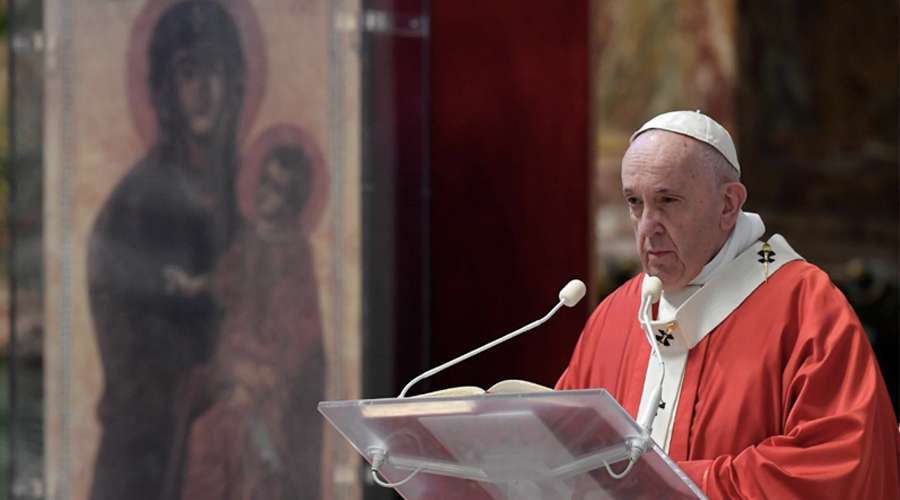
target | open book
[{"x": 503, "y": 387}]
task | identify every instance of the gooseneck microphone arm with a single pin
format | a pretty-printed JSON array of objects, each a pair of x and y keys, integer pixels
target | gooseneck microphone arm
[
  {"x": 650, "y": 294},
  {"x": 651, "y": 290},
  {"x": 568, "y": 296}
]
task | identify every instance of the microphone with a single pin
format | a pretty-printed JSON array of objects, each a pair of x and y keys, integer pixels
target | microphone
[
  {"x": 651, "y": 287},
  {"x": 570, "y": 295},
  {"x": 651, "y": 290}
]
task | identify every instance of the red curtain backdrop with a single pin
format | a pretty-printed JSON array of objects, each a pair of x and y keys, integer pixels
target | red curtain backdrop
[{"x": 509, "y": 183}]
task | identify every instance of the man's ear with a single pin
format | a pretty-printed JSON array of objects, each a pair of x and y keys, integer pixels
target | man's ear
[{"x": 734, "y": 194}]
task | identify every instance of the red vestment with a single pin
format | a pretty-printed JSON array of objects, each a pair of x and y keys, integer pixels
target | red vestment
[{"x": 783, "y": 399}]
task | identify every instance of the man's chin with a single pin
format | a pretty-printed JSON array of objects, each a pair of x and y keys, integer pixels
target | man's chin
[
  {"x": 669, "y": 282},
  {"x": 655, "y": 270}
]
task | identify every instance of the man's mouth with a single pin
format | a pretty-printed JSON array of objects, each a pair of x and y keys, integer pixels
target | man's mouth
[{"x": 658, "y": 253}]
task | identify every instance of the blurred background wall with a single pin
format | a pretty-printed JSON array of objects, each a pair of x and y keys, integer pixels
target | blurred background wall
[{"x": 530, "y": 107}]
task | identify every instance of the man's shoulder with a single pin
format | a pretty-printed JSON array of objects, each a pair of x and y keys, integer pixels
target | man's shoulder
[
  {"x": 805, "y": 291},
  {"x": 796, "y": 285},
  {"x": 802, "y": 274}
]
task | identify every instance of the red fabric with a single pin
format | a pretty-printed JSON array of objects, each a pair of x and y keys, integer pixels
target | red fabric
[{"x": 784, "y": 399}]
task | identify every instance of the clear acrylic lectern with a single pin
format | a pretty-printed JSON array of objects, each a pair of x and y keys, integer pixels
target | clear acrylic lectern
[{"x": 536, "y": 446}]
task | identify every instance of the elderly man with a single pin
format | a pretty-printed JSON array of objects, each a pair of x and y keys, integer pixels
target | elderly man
[{"x": 770, "y": 388}]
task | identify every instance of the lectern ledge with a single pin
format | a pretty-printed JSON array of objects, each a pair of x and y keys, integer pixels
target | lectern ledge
[{"x": 557, "y": 445}]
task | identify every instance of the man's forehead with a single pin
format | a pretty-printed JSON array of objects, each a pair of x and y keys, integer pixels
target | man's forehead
[
  {"x": 657, "y": 180},
  {"x": 662, "y": 154}
]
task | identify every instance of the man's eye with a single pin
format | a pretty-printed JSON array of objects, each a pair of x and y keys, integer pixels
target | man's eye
[
  {"x": 632, "y": 201},
  {"x": 668, "y": 199}
]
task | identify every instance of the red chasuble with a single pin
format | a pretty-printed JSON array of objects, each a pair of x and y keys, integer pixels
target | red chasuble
[{"x": 784, "y": 399}]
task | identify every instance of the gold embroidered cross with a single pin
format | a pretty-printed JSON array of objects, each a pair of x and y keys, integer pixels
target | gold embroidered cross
[
  {"x": 765, "y": 259},
  {"x": 666, "y": 335}
]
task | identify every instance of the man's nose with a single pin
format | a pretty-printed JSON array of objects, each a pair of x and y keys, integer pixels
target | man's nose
[{"x": 650, "y": 224}]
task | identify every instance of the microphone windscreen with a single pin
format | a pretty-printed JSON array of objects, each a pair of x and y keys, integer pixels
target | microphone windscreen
[
  {"x": 572, "y": 293},
  {"x": 651, "y": 286}
]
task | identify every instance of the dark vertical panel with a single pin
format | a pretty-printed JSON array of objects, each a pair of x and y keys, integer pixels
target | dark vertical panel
[
  {"x": 25, "y": 259},
  {"x": 395, "y": 196},
  {"x": 378, "y": 174},
  {"x": 412, "y": 272},
  {"x": 509, "y": 226},
  {"x": 395, "y": 199},
  {"x": 9, "y": 466}
]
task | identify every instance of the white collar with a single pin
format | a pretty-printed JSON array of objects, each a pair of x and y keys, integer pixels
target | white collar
[
  {"x": 686, "y": 325},
  {"x": 748, "y": 228}
]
